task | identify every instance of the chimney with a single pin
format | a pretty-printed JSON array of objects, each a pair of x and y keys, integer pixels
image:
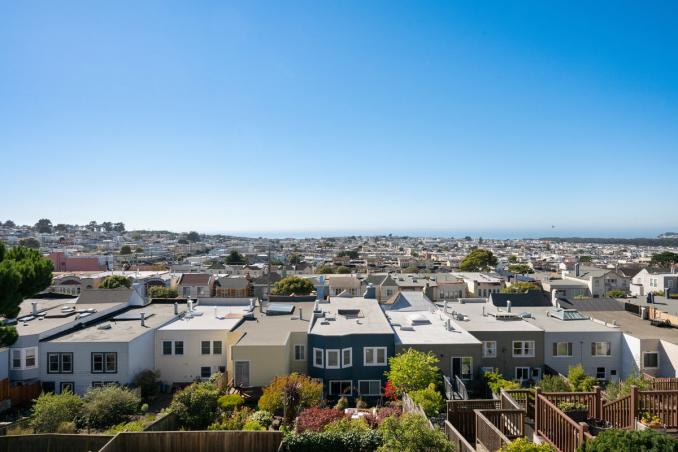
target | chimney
[
  {"x": 508, "y": 305},
  {"x": 176, "y": 308},
  {"x": 190, "y": 305},
  {"x": 142, "y": 315},
  {"x": 576, "y": 269},
  {"x": 35, "y": 307}
]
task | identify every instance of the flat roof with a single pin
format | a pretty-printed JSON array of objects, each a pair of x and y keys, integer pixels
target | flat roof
[
  {"x": 156, "y": 314},
  {"x": 207, "y": 317},
  {"x": 369, "y": 319},
  {"x": 474, "y": 320},
  {"x": 275, "y": 329},
  {"x": 635, "y": 326},
  {"x": 552, "y": 324},
  {"x": 418, "y": 332},
  {"x": 52, "y": 315}
]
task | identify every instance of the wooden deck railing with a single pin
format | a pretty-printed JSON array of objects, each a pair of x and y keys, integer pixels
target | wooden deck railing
[
  {"x": 460, "y": 413},
  {"x": 461, "y": 444},
  {"x": 619, "y": 412},
  {"x": 659, "y": 403},
  {"x": 662, "y": 383},
  {"x": 510, "y": 422},
  {"x": 524, "y": 398},
  {"x": 489, "y": 437},
  {"x": 449, "y": 388},
  {"x": 593, "y": 400},
  {"x": 557, "y": 428},
  {"x": 461, "y": 387}
]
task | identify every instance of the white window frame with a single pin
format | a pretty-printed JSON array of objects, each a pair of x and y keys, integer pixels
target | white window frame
[
  {"x": 569, "y": 346},
  {"x": 523, "y": 349},
  {"x": 327, "y": 358},
  {"x": 375, "y": 354},
  {"x": 346, "y": 362},
  {"x": 650, "y": 353},
  {"x": 301, "y": 347},
  {"x": 315, "y": 358},
  {"x": 594, "y": 348},
  {"x": 369, "y": 383},
  {"x": 529, "y": 373},
  {"x": 487, "y": 349},
  {"x": 22, "y": 358},
  {"x": 470, "y": 370},
  {"x": 329, "y": 387}
]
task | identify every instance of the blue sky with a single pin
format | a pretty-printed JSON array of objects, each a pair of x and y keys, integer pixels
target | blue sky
[{"x": 349, "y": 116}]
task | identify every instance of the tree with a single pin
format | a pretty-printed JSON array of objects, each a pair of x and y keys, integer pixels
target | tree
[
  {"x": 578, "y": 379},
  {"x": 351, "y": 254},
  {"x": 235, "y": 258},
  {"x": 520, "y": 287},
  {"x": 51, "y": 410},
  {"x": 664, "y": 259},
  {"x": 343, "y": 270},
  {"x": 107, "y": 225},
  {"x": 10, "y": 224},
  {"x": 125, "y": 249},
  {"x": 23, "y": 273},
  {"x": 412, "y": 370},
  {"x": 520, "y": 269},
  {"x": 43, "y": 226},
  {"x": 148, "y": 381},
  {"x": 193, "y": 236},
  {"x": 182, "y": 242},
  {"x": 61, "y": 227},
  {"x": 119, "y": 227},
  {"x": 585, "y": 259},
  {"x": 293, "y": 285},
  {"x": 325, "y": 269},
  {"x": 30, "y": 242},
  {"x": 294, "y": 259},
  {"x": 139, "y": 249},
  {"x": 196, "y": 405},
  {"x": 311, "y": 393},
  {"x": 411, "y": 269},
  {"x": 512, "y": 259},
  {"x": 478, "y": 260},
  {"x": 114, "y": 282},
  {"x": 630, "y": 440},
  {"x": 430, "y": 400},
  {"x": 162, "y": 292},
  {"x": 109, "y": 405},
  {"x": 412, "y": 433}
]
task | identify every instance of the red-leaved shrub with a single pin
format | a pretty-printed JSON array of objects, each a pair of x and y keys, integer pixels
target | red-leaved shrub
[
  {"x": 387, "y": 411},
  {"x": 314, "y": 419},
  {"x": 390, "y": 390}
]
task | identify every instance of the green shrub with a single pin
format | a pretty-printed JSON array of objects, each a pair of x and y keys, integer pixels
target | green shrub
[
  {"x": 272, "y": 398},
  {"x": 51, "y": 410},
  {"x": 196, "y": 405},
  {"x": 554, "y": 383},
  {"x": 617, "y": 390},
  {"x": 109, "y": 405},
  {"x": 411, "y": 432},
  {"x": 253, "y": 426},
  {"x": 430, "y": 400},
  {"x": 412, "y": 370},
  {"x": 496, "y": 382},
  {"x": 578, "y": 379},
  {"x": 342, "y": 404},
  {"x": 569, "y": 407},
  {"x": 525, "y": 445},
  {"x": 234, "y": 421},
  {"x": 162, "y": 292},
  {"x": 345, "y": 425},
  {"x": 332, "y": 441},
  {"x": 66, "y": 427},
  {"x": 132, "y": 426},
  {"x": 630, "y": 440},
  {"x": 230, "y": 402},
  {"x": 616, "y": 293},
  {"x": 263, "y": 417}
]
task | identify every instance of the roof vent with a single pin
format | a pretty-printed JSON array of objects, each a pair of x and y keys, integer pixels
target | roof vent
[{"x": 105, "y": 326}]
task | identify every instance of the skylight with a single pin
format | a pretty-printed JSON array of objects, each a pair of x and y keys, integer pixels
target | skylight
[{"x": 567, "y": 314}]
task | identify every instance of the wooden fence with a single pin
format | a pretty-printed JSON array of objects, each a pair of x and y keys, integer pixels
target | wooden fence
[
  {"x": 557, "y": 428},
  {"x": 662, "y": 384},
  {"x": 54, "y": 442},
  {"x": 489, "y": 437},
  {"x": 593, "y": 400},
  {"x": 658, "y": 403},
  {"x": 524, "y": 398},
  {"x": 19, "y": 394},
  {"x": 461, "y": 444},
  {"x": 619, "y": 412},
  {"x": 203, "y": 441},
  {"x": 163, "y": 424},
  {"x": 461, "y": 414}
]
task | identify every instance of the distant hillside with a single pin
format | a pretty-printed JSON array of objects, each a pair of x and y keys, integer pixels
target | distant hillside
[{"x": 673, "y": 241}]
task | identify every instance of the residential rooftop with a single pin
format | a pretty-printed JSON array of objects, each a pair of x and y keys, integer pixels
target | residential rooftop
[
  {"x": 480, "y": 315},
  {"x": 426, "y": 327},
  {"x": 206, "y": 317},
  {"x": 273, "y": 326},
  {"x": 351, "y": 315}
]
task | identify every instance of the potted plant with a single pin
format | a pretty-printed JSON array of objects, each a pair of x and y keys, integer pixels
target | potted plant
[
  {"x": 651, "y": 421},
  {"x": 578, "y": 412}
]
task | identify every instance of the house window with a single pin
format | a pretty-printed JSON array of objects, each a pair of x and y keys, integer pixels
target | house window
[
  {"x": 523, "y": 349},
  {"x": 318, "y": 357},
  {"x": 650, "y": 360},
  {"x": 299, "y": 352},
  {"x": 59, "y": 363},
  {"x": 600, "y": 373},
  {"x": 466, "y": 368},
  {"x": 522, "y": 373},
  {"x": 205, "y": 347},
  {"x": 489, "y": 349},
  {"x": 374, "y": 356},
  {"x": 166, "y": 347},
  {"x": 106, "y": 363},
  {"x": 562, "y": 349},
  {"x": 217, "y": 347},
  {"x": 205, "y": 372},
  {"x": 24, "y": 358},
  {"x": 332, "y": 359},
  {"x": 346, "y": 357},
  {"x": 178, "y": 347},
  {"x": 536, "y": 373},
  {"x": 341, "y": 387},
  {"x": 369, "y": 387},
  {"x": 67, "y": 386},
  {"x": 601, "y": 349}
]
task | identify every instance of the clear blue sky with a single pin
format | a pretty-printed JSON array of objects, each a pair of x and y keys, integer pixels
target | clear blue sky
[{"x": 353, "y": 116}]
